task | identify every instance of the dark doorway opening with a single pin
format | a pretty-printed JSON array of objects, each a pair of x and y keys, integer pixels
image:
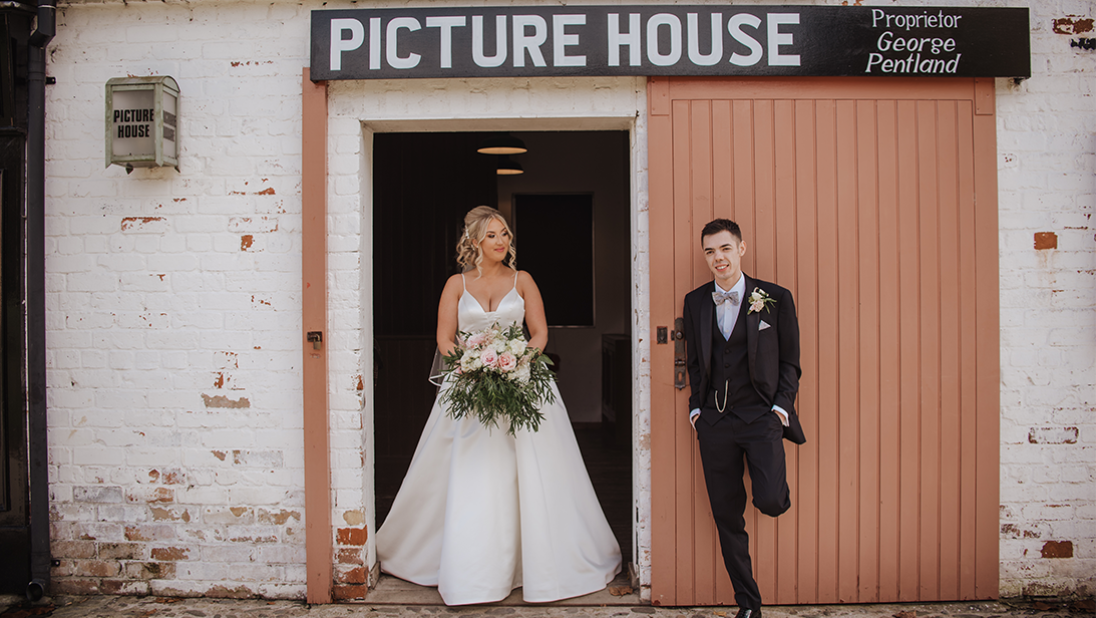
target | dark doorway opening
[{"x": 423, "y": 185}]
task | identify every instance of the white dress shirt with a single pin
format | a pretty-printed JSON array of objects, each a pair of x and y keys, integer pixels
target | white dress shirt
[{"x": 727, "y": 313}]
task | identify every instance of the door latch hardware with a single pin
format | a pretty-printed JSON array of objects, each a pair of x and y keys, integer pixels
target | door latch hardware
[
  {"x": 316, "y": 337},
  {"x": 660, "y": 334},
  {"x": 679, "y": 353}
]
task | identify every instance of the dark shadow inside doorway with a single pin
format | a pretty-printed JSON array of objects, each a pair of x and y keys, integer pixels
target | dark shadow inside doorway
[{"x": 424, "y": 183}]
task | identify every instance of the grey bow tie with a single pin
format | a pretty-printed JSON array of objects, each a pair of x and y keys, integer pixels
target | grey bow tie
[{"x": 720, "y": 297}]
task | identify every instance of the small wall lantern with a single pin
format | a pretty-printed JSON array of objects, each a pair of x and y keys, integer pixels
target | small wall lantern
[{"x": 142, "y": 122}]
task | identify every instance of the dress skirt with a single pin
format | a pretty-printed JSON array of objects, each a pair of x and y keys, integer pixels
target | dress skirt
[{"x": 482, "y": 512}]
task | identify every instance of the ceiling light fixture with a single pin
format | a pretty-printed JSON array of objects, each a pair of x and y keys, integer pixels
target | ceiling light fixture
[
  {"x": 508, "y": 167},
  {"x": 502, "y": 145}
]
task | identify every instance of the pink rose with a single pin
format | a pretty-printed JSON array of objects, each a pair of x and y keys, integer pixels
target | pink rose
[
  {"x": 477, "y": 340},
  {"x": 489, "y": 357},
  {"x": 507, "y": 361},
  {"x": 757, "y": 306}
]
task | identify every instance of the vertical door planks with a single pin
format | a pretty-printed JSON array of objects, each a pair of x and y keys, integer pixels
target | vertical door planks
[
  {"x": 806, "y": 298},
  {"x": 859, "y": 195},
  {"x": 867, "y": 326},
  {"x": 889, "y": 369}
]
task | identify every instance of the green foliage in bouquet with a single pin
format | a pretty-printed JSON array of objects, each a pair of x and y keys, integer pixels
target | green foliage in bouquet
[{"x": 494, "y": 376}]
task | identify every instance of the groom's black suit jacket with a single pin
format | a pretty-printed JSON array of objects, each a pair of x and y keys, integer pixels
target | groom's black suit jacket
[{"x": 772, "y": 352}]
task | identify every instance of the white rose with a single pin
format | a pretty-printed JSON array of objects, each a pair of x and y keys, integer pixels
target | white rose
[
  {"x": 521, "y": 374},
  {"x": 470, "y": 362},
  {"x": 517, "y": 347}
]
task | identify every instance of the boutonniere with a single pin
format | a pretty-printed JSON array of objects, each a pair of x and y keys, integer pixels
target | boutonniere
[{"x": 760, "y": 300}]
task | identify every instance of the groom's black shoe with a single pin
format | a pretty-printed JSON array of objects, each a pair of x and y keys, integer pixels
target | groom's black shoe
[{"x": 748, "y": 613}]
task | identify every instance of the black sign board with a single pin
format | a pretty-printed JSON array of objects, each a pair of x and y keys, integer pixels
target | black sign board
[{"x": 670, "y": 40}]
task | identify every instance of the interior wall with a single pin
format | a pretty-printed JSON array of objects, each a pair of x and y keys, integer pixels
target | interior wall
[{"x": 594, "y": 162}]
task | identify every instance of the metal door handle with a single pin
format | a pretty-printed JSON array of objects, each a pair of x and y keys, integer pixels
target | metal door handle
[{"x": 679, "y": 353}]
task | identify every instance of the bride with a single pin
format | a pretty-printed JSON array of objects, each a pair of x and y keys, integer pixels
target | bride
[{"x": 482, "y": 512}]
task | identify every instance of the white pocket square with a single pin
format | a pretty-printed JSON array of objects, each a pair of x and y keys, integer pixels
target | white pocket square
[{"x": 763, "y": 325}]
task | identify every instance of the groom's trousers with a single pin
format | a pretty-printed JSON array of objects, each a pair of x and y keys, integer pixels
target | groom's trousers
[{"x": 726, "y": 448}]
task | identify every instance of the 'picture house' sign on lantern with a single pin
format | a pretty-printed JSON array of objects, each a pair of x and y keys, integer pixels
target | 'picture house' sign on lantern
[
  {"x": 142, "y": 120},
  {"x": 670, "y": 40}
]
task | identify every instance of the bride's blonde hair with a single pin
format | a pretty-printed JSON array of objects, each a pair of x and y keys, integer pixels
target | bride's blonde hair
[{"x": 469, "y": 254}]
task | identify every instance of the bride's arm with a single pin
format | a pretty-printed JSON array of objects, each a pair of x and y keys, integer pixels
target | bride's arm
[
  {"x": 534, "y": 311},
  {"x": 447, "y": 315}
]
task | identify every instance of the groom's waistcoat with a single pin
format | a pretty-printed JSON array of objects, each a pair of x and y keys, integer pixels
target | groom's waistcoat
[{"x": 730, "y": 375}]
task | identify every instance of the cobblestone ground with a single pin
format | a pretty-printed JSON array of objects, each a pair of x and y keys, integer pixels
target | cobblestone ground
[{"x": 158, "y": 607}]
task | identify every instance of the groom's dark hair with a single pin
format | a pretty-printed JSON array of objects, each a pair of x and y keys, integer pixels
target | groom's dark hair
[{"x": 721, "y": 225}]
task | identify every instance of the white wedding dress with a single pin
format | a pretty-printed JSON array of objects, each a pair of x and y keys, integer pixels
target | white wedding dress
[{"x": 481, "y": 512}]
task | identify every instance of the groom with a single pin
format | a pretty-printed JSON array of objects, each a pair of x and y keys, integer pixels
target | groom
[{"x": 743, "y": 360}]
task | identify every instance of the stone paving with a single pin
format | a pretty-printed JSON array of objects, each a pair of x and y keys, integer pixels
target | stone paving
[{"x": 159, "y": 607}]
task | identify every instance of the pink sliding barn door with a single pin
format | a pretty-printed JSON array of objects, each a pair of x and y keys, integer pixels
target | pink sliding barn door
[{"x": 875, "y": 202}]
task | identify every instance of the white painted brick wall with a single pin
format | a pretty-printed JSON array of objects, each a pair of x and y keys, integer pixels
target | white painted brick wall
[
  {"x": 1047, "y": 161},
  {"x": 173, "y": 302},
  {"x": 162, "y": 313}
]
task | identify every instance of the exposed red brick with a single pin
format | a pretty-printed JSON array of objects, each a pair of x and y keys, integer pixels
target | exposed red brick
[
  {"x": 270, "y": 190},
  {"x": 350, "y": 591},
  {"x": 119, "y": 551},
  {"x": 74, "y": 586},
  {"x": 160, "y": 514},
  {"x": 220, "y": 401},
  {"x": 219, "y": 454},
  {"x": 169, "y": 554},
  {"x": 162, "y": 494},
  {"x": 1072, "y": 25},
  {"x": 349, "y": 556},
  {"x": 72, "y": 549},
  {"x": 1013, "y": 531},
  {"x": 62, "y": 568},
  {"x": 351, "y": 536},
  {"x": 153, "y": 532},
  {"x": 238, "y": 510},
  {"x": 254, "y": 539},
  {"x": 1053, "y": 435},
  {"x": 1058, "y": 549},
  {"x": 131, "y": 223},
  {"x": 223, "y": 592},
  {"x": 246, "y": 241},
  {"x": 174, "y": 477},
  {"x": 124, "y": 587},
  {"x": 153, "y": 476},
  {"x": 150, "y": 570},
  {"x": 279, "y": 518},
  {"x": 97, "y": 568},
  {"x": 1046, "y": 589},
  {"x": 1046, "y": 240},
  {"x": 351, "y": 576}
]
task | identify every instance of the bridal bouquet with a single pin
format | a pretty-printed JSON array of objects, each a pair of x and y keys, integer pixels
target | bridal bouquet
[{"x": 495, "y": 376}]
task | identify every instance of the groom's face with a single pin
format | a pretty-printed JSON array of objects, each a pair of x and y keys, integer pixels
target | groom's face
[{"x": 724, "y": 252}]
